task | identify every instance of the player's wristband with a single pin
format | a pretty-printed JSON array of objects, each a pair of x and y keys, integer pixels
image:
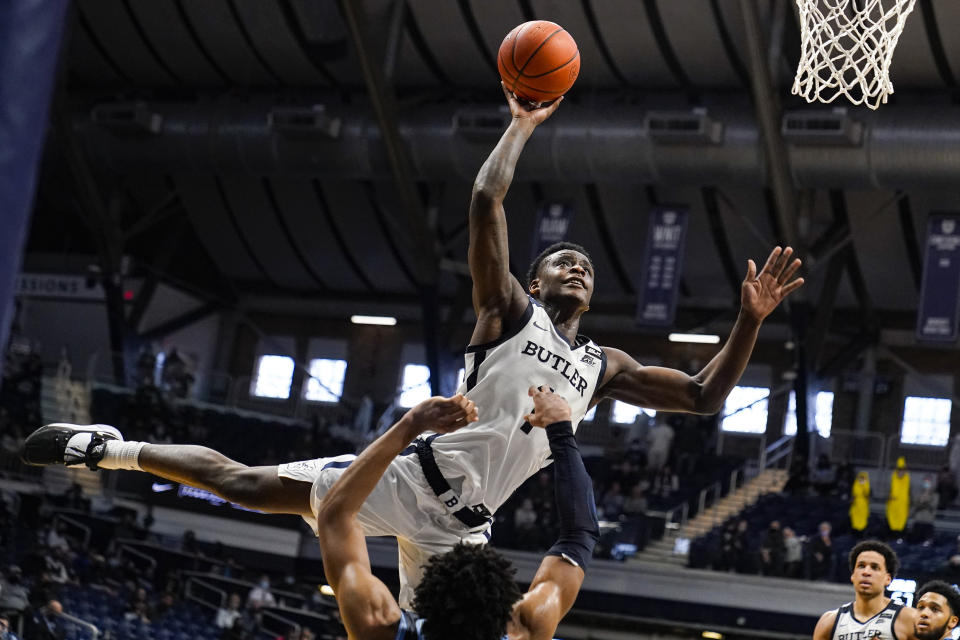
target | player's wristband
[{"x": 576, "y": 510}]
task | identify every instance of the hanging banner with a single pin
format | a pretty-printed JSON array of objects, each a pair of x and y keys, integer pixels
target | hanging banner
[
  {"x": 29, "y": 46},
  {"x": 553, "y": 222},
  {"x": 940, "y": 295},
  {"x": 657, "y": 302}
]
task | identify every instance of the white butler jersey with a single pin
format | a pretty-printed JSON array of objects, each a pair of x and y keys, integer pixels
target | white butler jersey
[
  {"x": 486, "y": 461},
  {"x": 879, "y": 627}
]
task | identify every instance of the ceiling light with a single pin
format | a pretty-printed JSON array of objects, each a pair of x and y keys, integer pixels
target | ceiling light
[
  {"x": 384, "y": 320},
  {"x": 700, "y": 338},
  {"x": 712, "y": 635},
  {"x": 326, "y": 590}
]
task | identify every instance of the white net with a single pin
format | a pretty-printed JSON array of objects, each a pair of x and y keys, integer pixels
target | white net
[{"x": 847, "y": 49}]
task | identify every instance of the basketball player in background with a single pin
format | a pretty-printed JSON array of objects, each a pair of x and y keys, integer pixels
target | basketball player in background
[
  {"x": 523, "y": 336},
  {"x": 872, "y": 615},
  {"x": 469, "y": 592},
  {"x": 938, "y": 611}
]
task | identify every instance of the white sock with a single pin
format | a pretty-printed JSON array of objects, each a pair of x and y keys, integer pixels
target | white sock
[{"x": 121, "y": 455}]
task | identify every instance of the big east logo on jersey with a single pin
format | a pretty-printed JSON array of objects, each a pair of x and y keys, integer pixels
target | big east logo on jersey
[{"x": 558, "y": 363}]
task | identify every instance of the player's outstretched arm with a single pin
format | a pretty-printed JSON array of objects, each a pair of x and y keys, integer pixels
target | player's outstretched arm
[
  {"x": 557, "y": 582},
  {"x": 824, "y": 626},
  {"x": 671, "y": 390},
  {"x": 496, "y": 294},
  {"x": 367, "y": 607}
]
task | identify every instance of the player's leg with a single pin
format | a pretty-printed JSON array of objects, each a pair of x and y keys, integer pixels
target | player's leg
[
  {"x": 252, "y": 487},
  {"x": 102, "y": 446}
]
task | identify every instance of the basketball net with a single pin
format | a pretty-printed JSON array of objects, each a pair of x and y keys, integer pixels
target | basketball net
[{"x": 847, "y": 49}]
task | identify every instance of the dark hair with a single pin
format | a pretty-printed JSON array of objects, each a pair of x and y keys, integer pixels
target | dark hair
[
  {"x": 557, "y": 246},
  {"x": 466, "y": 593},
  {"x": 889, "y": 555},
  {"x": 948, "y": 591}
]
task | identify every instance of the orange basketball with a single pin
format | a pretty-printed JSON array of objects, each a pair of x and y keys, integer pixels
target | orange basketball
[{"x": 538, "y": 61}]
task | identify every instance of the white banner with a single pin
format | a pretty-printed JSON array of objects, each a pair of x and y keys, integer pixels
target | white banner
[{"x": 52, "y": 285}]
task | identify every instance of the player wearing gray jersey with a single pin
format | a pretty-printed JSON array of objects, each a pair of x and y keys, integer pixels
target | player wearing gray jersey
[
  {"x": 443, "y": 489},
  {"x": 871, "y": 615}
]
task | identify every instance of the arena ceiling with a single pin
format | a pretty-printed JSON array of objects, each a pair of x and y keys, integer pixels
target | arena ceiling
[{"x": 235, "y": 146}]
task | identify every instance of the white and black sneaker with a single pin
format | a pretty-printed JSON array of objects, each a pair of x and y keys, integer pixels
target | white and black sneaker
[{"x": 68, "y": 444}]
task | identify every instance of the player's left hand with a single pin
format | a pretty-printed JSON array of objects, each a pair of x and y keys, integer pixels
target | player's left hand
[
  {"x": 761, "y": 293},
  {"x": 442, "y": 415},
  {"x": 548, "y": 407}
]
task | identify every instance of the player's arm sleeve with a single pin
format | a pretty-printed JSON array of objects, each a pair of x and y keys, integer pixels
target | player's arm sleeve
[{"x": 576, "y": 509}]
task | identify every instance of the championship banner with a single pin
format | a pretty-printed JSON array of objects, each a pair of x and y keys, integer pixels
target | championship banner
[
  {"x": 940, "y": 294},
  {"x": 657, "y": 302},
  {"x": 553, "y": 222}
]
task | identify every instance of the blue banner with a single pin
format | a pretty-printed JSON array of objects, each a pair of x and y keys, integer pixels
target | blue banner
[
  {"x": 553, "y": 222},
  {"x": 30, "y": 33},
  {"x": 663, "y": 262},
  {"x": 940, "y": 295}
]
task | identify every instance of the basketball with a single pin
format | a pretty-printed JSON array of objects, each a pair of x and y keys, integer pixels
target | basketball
[{"x": 538, "y": 61}]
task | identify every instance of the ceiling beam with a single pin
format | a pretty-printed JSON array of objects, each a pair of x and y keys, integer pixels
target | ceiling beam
[{"x": 769, "y": 114}]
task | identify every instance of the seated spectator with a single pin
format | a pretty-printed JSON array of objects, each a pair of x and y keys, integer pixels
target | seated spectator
[
  {"x": 236, "y": 632},
  {"x": 261, "y": 596},
  {"x": 6, "y": 630},
  {"x": 57, "y": 539},
  {"x": 138, "y": 597},
  {"x": 665, "y": 482},
  {"x": 14, "y": 594},
  {"x": 226, "y": 616},
  {"x": 772, "y": 550},
  {"x": 137, "y": 614},
  {"x": 924, "y": 512},
  {"x": 163, "y": 606},
  {"x": 56, "y": 567},
  {"x": 793, "y": 554},
  {"x": 45, "y": 623},
  {"x": 946, "y": 487},
  {"x": 612, "y": 502},
  {"x": 821, "y": 553},
  {"x": 636, "y": 504}
]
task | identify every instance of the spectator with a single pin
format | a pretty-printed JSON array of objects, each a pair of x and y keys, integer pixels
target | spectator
[
  {"x": 236, "y": 632},
  {"x": 799, "y": 477},
  {"x": 773, "y": 550},
  {"x": 227, "y": 616},
  {"x": 14, "y": 595},
  {"x": 793, "y": 553},
  {"x": 56, "y": 537},
  {"x": 636, "y": 454},
  {"x": 45, "y": 624},
  {"x": 636, "y": 505},
  {"x": 138, "y": 613},
  {"x": 821, "y": 554},
  {"x": 665, "y": 482},
  {"x": 824, "y": 476},
  {"x": 525, "y": 525},
  {"x": 261, "y": 596},
  {"x": 163, "y": 606},
  {"x": 138, "y": 597},
  {"x": 743, "y": 559},
  {"x": 660, "y": 438},
  {"x": 946, "y": 487},
  {"x": 6, "y": 630},
  {"x": 612, "y": 502},
  {"x": 860, "y": 503},
  {"x": 924, "y": 510},
  {"x": 898, "y": 502}
]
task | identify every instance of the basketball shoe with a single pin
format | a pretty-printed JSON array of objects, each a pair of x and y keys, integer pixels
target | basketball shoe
[{"x": 68, "y": 444}]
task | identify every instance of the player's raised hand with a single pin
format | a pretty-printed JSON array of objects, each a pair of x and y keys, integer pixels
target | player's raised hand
[
  {"x": 548, "y": 407},
  {"x": 761, "y": 293},
  {"x": 525, "y": 111},
  {"x": 442, "y": 415}
]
